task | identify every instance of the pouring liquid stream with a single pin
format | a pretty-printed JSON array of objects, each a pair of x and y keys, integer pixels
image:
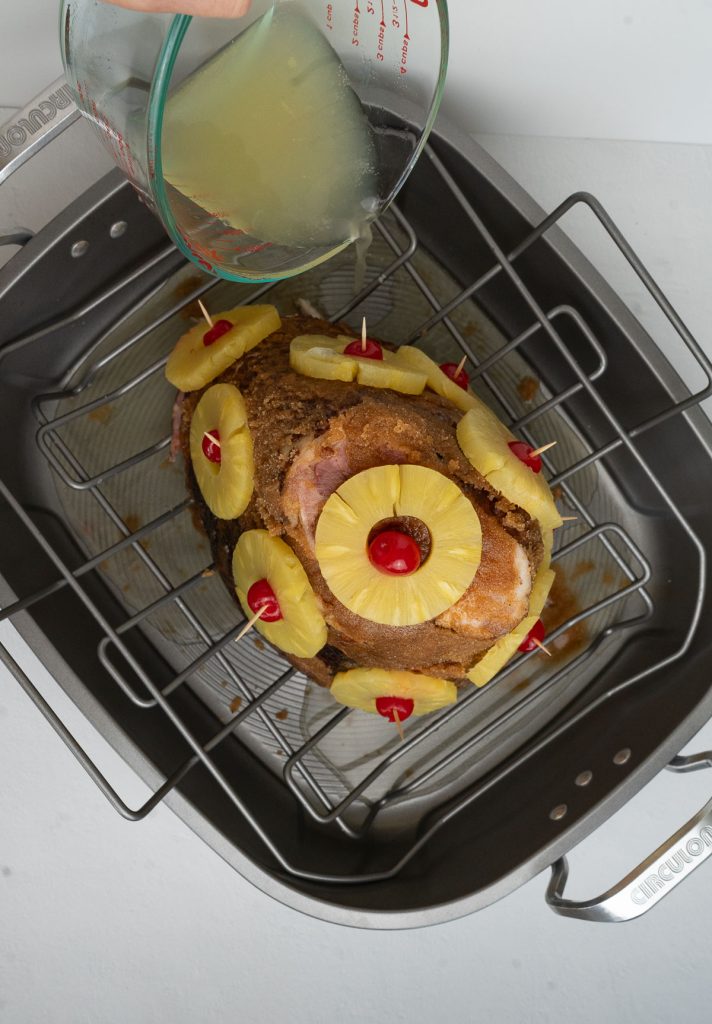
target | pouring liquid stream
[{"x": 270, "y": 139}]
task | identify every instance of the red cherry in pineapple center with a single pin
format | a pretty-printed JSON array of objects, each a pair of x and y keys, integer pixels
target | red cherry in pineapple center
[
  {"x": 537, "y": 632},
  {"x": 394, "y": 553},
  {"x": 261, "y": 596},
  {"x": 211, "y": 446},
  {"x": 456, "y": 375},
  {"x": 523, "y": 451},
  {"x": 371, "y": 350},
  {"x": 219, "y": 328},
  {"x": 387, "y": 706}
]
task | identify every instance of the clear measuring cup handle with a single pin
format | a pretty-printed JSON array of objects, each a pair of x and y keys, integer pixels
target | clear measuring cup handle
[{"x": 35, "y": 125}]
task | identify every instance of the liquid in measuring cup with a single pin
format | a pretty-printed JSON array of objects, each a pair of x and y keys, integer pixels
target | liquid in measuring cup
[{"x": 269, "y": 137}]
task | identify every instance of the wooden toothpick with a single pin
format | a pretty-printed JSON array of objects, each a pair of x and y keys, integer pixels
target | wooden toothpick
[
  {"x": 399, "y": 726},
  {"x": 460, "y": 367},
  {"x": 540, "y": 451},
  {"x": 205, "y": 313},
  {"x": 541, "y": 647},
  {"x": 211, "y": 437},
  {"x": 364, "y": 336},
  {"x": 569, "y": 519},
  {"x": 248, "y": 625}
]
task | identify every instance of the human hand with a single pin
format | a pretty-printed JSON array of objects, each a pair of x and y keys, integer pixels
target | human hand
[{"x": 204, "y": 8}]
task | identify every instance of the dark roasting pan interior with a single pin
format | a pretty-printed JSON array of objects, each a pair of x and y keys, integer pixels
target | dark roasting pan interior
[{"x": 104, "y": 573}]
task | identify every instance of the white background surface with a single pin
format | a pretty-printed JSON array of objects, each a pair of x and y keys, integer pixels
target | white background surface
[
  {"x": 105, "y": 922},
  {"x": 619, "y": 69}
]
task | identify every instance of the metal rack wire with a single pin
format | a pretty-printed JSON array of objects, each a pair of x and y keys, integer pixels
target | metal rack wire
[{"x": 621, "y": 609}]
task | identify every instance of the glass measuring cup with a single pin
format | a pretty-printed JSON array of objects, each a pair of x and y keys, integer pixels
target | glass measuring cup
[{"x": 267, "y": 143}]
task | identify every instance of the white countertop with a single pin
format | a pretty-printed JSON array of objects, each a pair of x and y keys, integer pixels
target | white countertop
[{"x": 107, "y": 922}]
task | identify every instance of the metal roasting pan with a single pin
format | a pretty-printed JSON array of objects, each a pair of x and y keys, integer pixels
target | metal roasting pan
[{"x": 106, "y": 578}]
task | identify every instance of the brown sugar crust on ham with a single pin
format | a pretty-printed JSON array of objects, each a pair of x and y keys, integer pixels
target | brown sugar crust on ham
[{"x": 311, "y": 435}]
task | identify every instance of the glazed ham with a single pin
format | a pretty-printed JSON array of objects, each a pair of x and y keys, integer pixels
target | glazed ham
[{"x": 309, "y": 437}]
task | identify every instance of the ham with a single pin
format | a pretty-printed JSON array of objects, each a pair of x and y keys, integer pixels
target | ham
[{"x": 309, "y": 436}]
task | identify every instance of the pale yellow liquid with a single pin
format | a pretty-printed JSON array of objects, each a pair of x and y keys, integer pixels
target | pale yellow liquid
[
  {"x": 363, "y": 244},
  {"x": 269, "y": 138}
]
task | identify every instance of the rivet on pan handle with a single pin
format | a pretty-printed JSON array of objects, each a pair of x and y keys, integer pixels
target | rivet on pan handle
[
  {"x": 37, "y": 124},
  {"x": 654, "y": 878}
]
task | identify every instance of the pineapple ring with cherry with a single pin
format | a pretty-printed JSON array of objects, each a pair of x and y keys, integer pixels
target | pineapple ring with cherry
[
  {"x": 315, "y": 355},
  {"x": 301, "y": 629},
  {"x": 196, "y": 360},
  {"x": 221, "y": 451},
  {"x": 368, "y": 689},
  {"x": 385, "y": 492},
  {"x": 505, "y": 648},
  {"x": 438, "y": 381},
  {"x": 485, "y": 442}
]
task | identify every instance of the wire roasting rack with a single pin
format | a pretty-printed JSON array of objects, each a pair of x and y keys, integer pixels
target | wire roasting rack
[{"x": 104, "y": 433}]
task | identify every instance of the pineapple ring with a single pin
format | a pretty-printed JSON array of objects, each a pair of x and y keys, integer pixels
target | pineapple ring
[
  {"x": 226, "y": 486},
  {"x": 361, "y": 687},
  {"x": 438, "y": 381},
  {"x": 497, "y": 657},
  {"x": 192, "y": 365},
  {"x": 301, "y": 630},
  {"x": 314, "y": 355},
  {"x": 385, "y": 492},
  {"x": 484, "y": 441},
  {"x": 543, "y": 582}
]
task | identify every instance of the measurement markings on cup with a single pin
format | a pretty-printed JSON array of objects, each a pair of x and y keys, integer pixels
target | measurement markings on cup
[{"x": 381, "y": 34}]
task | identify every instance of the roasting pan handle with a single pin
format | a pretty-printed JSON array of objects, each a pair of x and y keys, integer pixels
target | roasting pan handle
[
  {"x": 35, "y": 125},
  {"x": 651, "y": 880},
  {"x": 73, "y": 744}
]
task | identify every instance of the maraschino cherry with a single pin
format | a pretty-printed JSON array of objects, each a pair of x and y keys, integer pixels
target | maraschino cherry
[
  {"x": 387, "y": 706},
  {"x": 366, "y": 348},
  {"x": 371, "y": 350},
  {"x": 394, "y": 553},
  {"x": 219, "y": 328},
  {"x": 261, "y": 596},
  {"x": 530, "y": 456},
  {"x": 211, "y": 446},
  {"x": 526, "y": 454},
  {"x": 457, "y": 374},
  {"x": 534, "y": 638}
]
